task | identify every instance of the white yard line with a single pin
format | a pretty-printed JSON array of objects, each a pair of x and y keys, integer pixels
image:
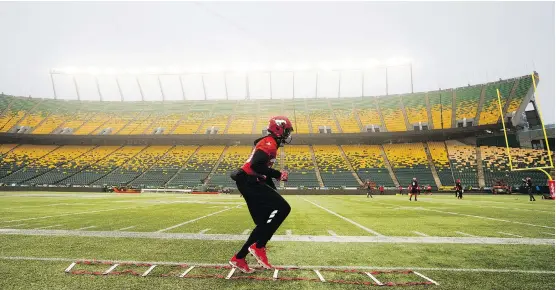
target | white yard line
[
  {"x": 346, "y": 219},
  {"x": 332, "y": 233},
  {"x": 194, "y": 220},
  {"x": 552, "y": 234},
  {"x": 510, "y": 234},
  {"x": 285, "y": 238},
  {"x": 465, "y": 234},
  {"x": 204, "y": 231},
  {"x": 51, "y": 259},
  {"x": 89, "y": 227},
  {"x": 246, "y": 232},
  {"x": 48, "y": 227},
  {"x": 67, "y": 214},
  {"x": 421, "y": 234},
  {"x": 126, "y": 228}
]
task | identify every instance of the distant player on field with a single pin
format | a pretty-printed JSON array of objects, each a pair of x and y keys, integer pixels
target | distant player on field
[
  {"x": 369, "y": 187},
  {"x": 414, "y": 189},
  {"x": 401, "y": 189},
  {"x": 529, "y": 187},
  {"x": 381, "y": 188},
  {"x": 459, "y": 189},
  {"x": 268, "y": 209}
]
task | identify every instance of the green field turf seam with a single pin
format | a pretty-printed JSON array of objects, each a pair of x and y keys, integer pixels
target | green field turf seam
[
  {"x": 309, "y": 267},
  {"x": 284, "y": 238}
]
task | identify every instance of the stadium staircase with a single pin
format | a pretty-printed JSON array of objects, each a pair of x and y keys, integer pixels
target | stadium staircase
[
  {"x": 429, "y": 115},
  {"x": 207, "y": 180},
  {"x": 117, "y": 167},
  {"x": 480, "y": 170},
  {"x": 454, "y": 110},
  {"x": 379, "y": 112},
  {"x": 131, "y": 121},
  {"x": 89, "y": 117},
  {"x": 182, "y": 167},
  {"x": 356, "y": 116},
  {"x": 340, "y": 129},
  {"x": 317, "y": 171},
  {"x": 140, "y": 176},
  {"x": 389, "y": 167},
  {"x": 349, "y": 165},
  {"x": 450, "y": 163},
  {"x": 406, "y": 119},
  {"x": 432, "y": 167},
  {"x": 181, "y": 119},
  {"x": 480, "y": 106},
  {"x": 512, "y": 94}
]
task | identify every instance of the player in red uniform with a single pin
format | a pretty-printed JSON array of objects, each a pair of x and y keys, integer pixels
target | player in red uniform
[
  {"x": 369, "y": 187},
  {"x": 381, "y": 188},
  {"x": 268, "y": 209}
]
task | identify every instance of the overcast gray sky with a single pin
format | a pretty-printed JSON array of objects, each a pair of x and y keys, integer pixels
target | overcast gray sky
[{"x": 451, "y": 44}]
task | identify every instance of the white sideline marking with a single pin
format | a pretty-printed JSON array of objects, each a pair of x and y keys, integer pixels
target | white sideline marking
[
  {"x": 465, "y": 234},
  {"x": 90, "y": 227},
  {"x": 204, "y": 231},
  {"x": 421, "y": 234},
  {"x": 110, "y": 269},
  {"x": 48, "y": 227},
  {"x": 18, "y": 225},
  {"x": 320, "y": 275},
  {"x": 346, "y": 219},
  {"x": 475, "y": 216},
  {"x": 285, "y": 238},
  {"x": 332, "y": 233},
  {"x": 275, "y": 275},
  {"x": 148, "y": 271},
  {"x": 50, "y": 259},
  {"x": 288, "y": 232},
  {"x": 552, "y": 234},
  {"x": 194, "y": 220},
  {"x": 486, "y": 206},
  {"x": 231, "y": 273},
  {"x": 186, "y": 271},
  {"x": 67, "y": 214},
  {"x": 425, "y": 277},
  {"x": 70, "y": 267},
  {"x": 374, "y": 279},
  {"x": 246, "y": 232},
  {"x": 510, "y": 234},
  {"x": 127, "y": 228}
]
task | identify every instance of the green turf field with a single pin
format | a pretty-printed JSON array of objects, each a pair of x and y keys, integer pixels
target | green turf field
[{"x": 481, "y": 242}]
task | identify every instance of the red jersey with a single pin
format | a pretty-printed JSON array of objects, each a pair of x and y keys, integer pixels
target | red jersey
[
  {"x": 269, "y": 146},
  {"x": 381, "y": 188}
]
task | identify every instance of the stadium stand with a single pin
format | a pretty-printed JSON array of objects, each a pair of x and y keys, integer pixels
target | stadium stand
[
  {"x": 392, "y": 114},
  {"x": 333, "y": 168},
  {"x": 37, "y": 172},
  {"x": 104, "y": 166},
  {"x": 298, "y": 160},
  {"x": 368, "y": 163},
  {"x": 409, "y": 160},
  {"x": 467, "y": 101},
  {"x": 62, "y": 111},
  {"x": 320, "y": 116},
  {"x": 134, "y": 166},
  {"x": 415, "y": 108},
  {"x": 5, "y": 148},
  {"x": 441, "y": 162},
  {"x": 525, "y": 84},
  {"x": 441, "y": 106},
  {"x": 197, "y": 167},
  {"x": 16, "y": 110},
  {"x": 490, "y": 114},
  {"x": 234, "y": 158},
  {"x": 464, "y": 164},
  {"x": 166, "y": 167},
  {"x": 368, "y": 114},
  {"x": 14, "y": 163}
]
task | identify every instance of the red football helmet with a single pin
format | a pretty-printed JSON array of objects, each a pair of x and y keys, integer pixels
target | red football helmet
[
  {"x": 280, "y": 127},
  {"x": 458, "y": 181}
]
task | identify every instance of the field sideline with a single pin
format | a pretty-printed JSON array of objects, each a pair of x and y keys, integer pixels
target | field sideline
[{"x": 481, "y": 242}]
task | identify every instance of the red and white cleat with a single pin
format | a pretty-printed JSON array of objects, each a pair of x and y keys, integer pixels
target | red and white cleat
[
  {"x": 241, "y": 264},
  {"x": 260, "y": 255}
]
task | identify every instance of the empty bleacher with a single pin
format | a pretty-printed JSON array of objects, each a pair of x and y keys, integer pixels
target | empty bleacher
[
  {"x": 197, "y": 167},
  {"x": 299, "y": 163},
  {"x": 38, "y": 171},
  {"x": 234, "y": 158},
  {"x": 490, "y": 113},
  {"x": 165, "y": 167},
  {"x": 333, "y": 168},
  {"x": 441, "y": 109},
  {"x": 415, "y": 108},
  {"x": 20, "y": 163},
  {"x": 441, "y": 162},
  {"x": 467, "y": 101},
  {"x": 464, "y": 164},
  {"x": 409, "y": 160},
  {"x": 17, "y": 109},
  {"x": 368, "y": 163},
  {"x": 390, "y": 107}
]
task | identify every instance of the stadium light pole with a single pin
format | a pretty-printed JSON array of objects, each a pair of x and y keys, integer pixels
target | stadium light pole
[
  {"x": 53, "y": 85},
  {"x": 226, "y": 85},
  {"x": 120, "y": 89},
  {"x": 161, "y": 90},
  {"x": 76, "y": 89},
  {"x": 317, "y": 86},
  {"x": 98, "y": 89},
  {"x": 204, "y": 89},
  {"x": 140, "y": 89},
  {"x": 182, "y": 90}
]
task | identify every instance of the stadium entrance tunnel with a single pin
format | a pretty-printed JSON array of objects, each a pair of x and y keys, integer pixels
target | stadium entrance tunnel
[{"x": 283, "y": 273}]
